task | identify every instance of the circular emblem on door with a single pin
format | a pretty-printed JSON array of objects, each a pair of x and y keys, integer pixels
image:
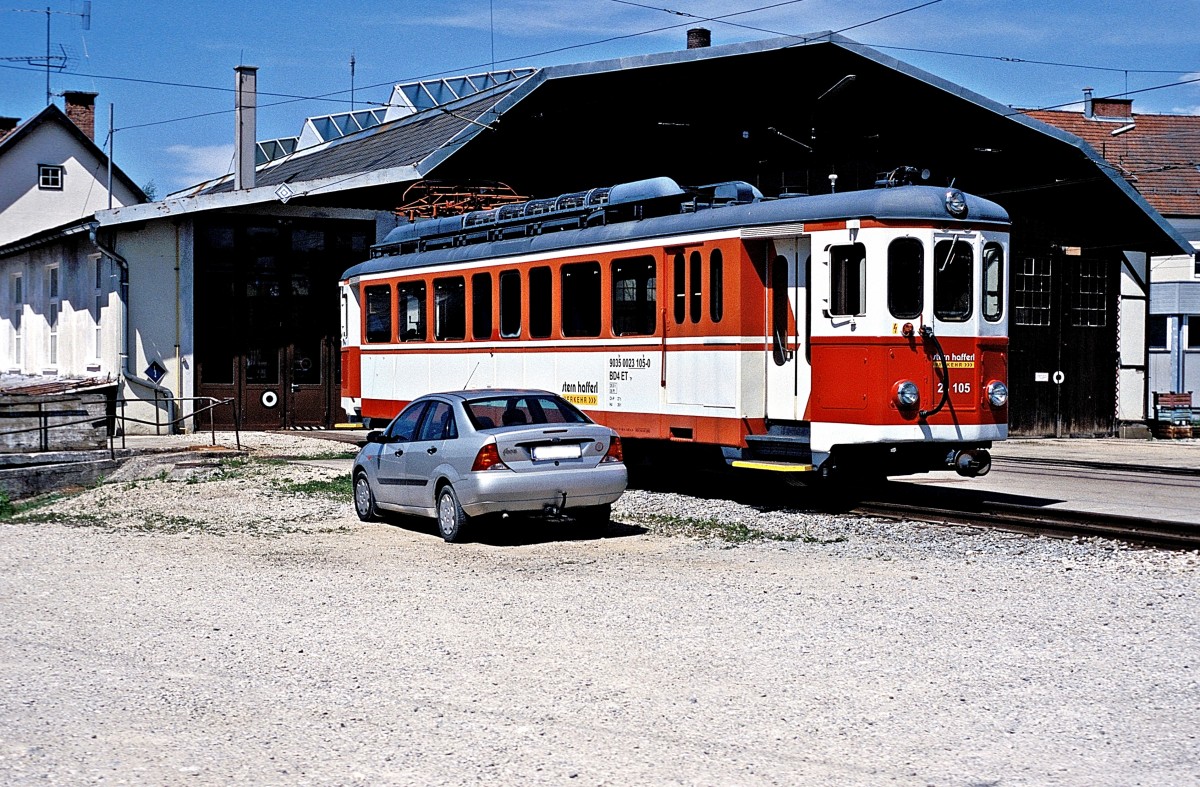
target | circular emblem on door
[{"x": 269, "y": 399}]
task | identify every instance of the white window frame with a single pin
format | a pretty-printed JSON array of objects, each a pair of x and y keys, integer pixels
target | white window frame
[
  {"x": 17, "y": 293},
  {"x": 51, "y": 177},
  {"x": 53, "y": 309},
  {"x": 99, "y": 306}
]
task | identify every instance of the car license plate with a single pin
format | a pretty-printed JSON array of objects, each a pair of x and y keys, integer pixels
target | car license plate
[{"x": 543, "y": 452}]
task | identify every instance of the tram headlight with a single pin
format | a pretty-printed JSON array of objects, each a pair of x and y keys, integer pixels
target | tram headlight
[
  {"x": 997, "y": 393},
  {"x": 956, "y": 204},
  {"x": 906, "y": 394}
]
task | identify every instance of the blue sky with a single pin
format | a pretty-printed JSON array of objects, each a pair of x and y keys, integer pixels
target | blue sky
[{"x": 187, "y": 51}]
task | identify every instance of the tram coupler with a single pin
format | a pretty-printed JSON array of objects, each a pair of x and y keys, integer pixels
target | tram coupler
[{"x": 971, "y": 462}]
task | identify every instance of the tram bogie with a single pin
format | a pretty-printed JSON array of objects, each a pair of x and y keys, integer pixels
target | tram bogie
[{"x": 803, "y": 335}]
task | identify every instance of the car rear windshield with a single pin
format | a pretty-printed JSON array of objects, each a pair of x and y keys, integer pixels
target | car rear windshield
[{"x": 520, "y": 409}]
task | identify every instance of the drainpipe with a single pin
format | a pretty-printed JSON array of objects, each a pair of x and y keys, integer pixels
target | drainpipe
[
  {"x": 1177, "y": 353},
  {"x": 123, "y": 295}
]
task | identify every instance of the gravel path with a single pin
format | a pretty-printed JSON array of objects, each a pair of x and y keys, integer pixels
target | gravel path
[{"x": 201, "y": 622}]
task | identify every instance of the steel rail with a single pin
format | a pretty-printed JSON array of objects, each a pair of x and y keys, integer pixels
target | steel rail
[{"x": 1051, "y": 522}]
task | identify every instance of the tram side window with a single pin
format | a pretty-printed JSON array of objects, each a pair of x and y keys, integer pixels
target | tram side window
[
  {"x": 449, "y": 308},
  {"x": 694, "y": 265},
  {"x": 481, "y": 306},
  {"x": 379, "y": 313},
  {"x": 906, "y": 278},
  {"x": 716, "y": 286},
  {"x": 680, "y": 285},
  {"x": 510, "y": 304},
  {"x": 993, "y": 282},
  {"x": 781, "y": 312},
  {"x": 410, "y": 299},
  {"x": 953, "y": 268},
  {"x": 848, "y": 280},
  {"x": 634, "y": 308},
  {"x": 541, "y": 302},
  {"x": 581, "y": 296}
]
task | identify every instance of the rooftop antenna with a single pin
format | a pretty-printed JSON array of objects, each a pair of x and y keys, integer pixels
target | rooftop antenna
[
  {"x": 50, "y": 62},
  {"x": 351, "y": 80}
]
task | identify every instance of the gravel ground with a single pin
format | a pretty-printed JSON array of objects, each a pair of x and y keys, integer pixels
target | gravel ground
[{"x": 195, "y": 621}]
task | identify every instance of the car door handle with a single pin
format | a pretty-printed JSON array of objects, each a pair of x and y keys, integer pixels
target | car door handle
[
  {"x": 431, "y": 449},
  {"x": 400, "y": 452}
]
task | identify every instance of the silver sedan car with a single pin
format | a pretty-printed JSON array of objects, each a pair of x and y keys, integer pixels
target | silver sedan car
[{"x": 468, "y": 454}]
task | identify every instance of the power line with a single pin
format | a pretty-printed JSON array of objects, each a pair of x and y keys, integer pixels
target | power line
[{"x": 722, "y": 19}]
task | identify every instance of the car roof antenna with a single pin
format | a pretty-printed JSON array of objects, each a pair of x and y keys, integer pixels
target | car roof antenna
[{"x": 472, "y": 374}]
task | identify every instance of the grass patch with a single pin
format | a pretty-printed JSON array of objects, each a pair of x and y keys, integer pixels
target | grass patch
[
  {"x": 728, "y": 532},
  {"x": 338, "y": 488},
  {"x": 279, "y": 459}
]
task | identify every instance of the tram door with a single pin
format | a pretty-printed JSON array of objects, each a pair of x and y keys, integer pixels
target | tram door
[{"x": 787, "y": 375}]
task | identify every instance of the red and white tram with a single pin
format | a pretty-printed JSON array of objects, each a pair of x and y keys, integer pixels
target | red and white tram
[{"x": 863, "y": 329}]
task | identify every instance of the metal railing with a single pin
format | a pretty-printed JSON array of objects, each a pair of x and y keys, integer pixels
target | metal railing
[
  {"x": 109, "y": 420},
  {"x": 159, "y": 424}
]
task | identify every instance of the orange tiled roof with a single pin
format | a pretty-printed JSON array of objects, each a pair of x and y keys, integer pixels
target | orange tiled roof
[{"x": 1160, "y": 156}]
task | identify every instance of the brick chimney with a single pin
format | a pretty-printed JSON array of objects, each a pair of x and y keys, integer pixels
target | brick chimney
[
  {"x": 81, "y": 109},
  {"x": 7, "y": 126},
  {"x": 699, "y": 38},
  {"x": 1113, "y": 107}
]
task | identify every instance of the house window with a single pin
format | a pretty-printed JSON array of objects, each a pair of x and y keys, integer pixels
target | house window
[
  {"x": 1156, "y": 332},
  {"x": 18, "y": 310},
  {"x": 50, "y": 177},
  {"x": 99, "y": 304},
  {"x": 53, "y": 306},
  {"x": 1089, "y": 298},
  {"x": 1032, "y": 292},
  {"x": 1193, "y": 332}
]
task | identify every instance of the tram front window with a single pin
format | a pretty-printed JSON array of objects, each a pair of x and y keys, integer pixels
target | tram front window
[
  {"x": 953, "y": 270},
  {"x": 906, "y": 278},
  {"x": 848, "y": 280}
]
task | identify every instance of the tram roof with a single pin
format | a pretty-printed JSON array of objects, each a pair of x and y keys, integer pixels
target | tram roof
[
  {"x": 716, "y": 113},
  {"x": 914, "y": 203}
]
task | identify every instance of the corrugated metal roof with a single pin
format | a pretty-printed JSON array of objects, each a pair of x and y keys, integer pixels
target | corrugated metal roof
[{"x": 404, "y": 143}]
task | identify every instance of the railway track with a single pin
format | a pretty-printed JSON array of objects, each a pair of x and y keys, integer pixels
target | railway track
[{"x": 1035, "y": 520}]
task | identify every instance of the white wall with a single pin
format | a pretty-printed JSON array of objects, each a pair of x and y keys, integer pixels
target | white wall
[
  {"x": 74, "y": 349},
  {"x": 26, "y": 209},
  {"x": 159, "y": 255}
]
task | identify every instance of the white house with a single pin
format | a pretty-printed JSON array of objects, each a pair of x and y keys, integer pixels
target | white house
[{"x": 56, "y": 288}]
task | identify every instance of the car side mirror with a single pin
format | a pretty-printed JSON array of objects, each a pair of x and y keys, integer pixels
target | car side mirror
[{"x": 376, "y": 436}]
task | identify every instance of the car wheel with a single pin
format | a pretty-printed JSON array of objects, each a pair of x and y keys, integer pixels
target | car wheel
[
  {"x": 364, "y": 498},
  {"x": 450, "y": 516},
  {"x": 593, "y": 519}
]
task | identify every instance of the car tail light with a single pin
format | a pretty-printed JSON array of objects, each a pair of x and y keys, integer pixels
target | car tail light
[
  {"x": 615, "y": 454},
  {"x": 487, "y": 458}
]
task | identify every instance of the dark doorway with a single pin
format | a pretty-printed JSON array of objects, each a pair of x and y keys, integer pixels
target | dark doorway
[
  {"x": 1063, "y": 344},
  {"x": 267, "y": 319}
]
